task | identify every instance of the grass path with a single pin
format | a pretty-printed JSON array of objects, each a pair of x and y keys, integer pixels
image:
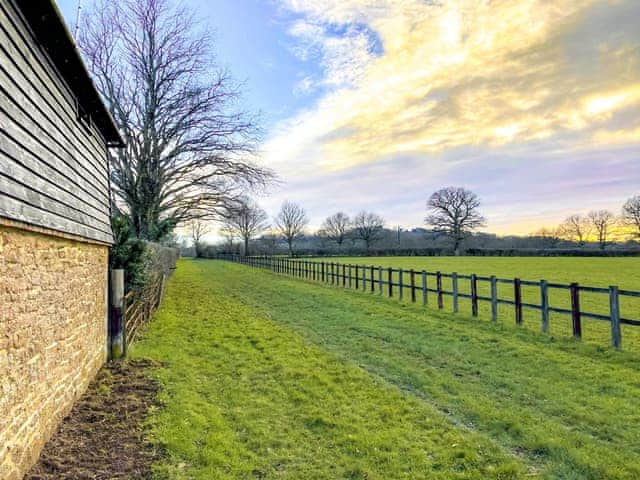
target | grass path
[{"x": 268, "y": 377}]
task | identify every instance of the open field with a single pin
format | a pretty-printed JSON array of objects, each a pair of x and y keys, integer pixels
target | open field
[
  {"x": 269, "y": 377},
  {"x": 592, "y": 272}
]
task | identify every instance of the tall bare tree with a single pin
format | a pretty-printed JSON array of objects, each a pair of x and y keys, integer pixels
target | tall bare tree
[
  {"x": 368, "y": 227},
  {"x": 291, "y": 222},
  {"x": 198, "y": 229},
  {"x": 575, "y": 228},
  {"x": 455, "y": 211},
  {"x": 247, "y": 222},
  {"x": 602, "y": 221},
  {"x": 631, "y": 214},
  {"x": 336, "y": 227},
  {"x": 187, "y": 144}
]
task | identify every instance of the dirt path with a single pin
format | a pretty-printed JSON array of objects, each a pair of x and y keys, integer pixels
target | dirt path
[{"x": 102, "y": 437}]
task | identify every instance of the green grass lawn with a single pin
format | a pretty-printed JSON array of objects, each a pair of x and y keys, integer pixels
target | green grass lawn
[
  {"x": 270, "y": 377},
  {"x": 588, "y": 271}
]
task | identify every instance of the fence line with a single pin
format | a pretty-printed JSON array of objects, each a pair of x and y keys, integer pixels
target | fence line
[
  {"x": 371, "y": 278},
  {"x": 139, "y": 306}
]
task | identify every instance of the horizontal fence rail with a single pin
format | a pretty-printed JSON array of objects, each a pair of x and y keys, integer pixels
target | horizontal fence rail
[
  {"x": 416, "y": 285},
  {"x": 139, "y": 306}
]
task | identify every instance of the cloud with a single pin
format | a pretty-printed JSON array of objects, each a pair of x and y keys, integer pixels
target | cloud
[{"x": 447, "y": 84}]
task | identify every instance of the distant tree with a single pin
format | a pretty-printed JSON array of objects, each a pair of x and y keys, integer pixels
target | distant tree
[
  {"x": 186, "y": 142},
  {"x": 291, "y": 222},
  {"x": 368, "y": 227},
  {"x": 198, "y": 230},
  {"x": 602, "y": 221},
  {"x": 336, "y": 227},
  {"x": 575, "y": 228},
  {"x": 229, "y": 235},
  {"x": 455, "y": 212},
  {"x": 546, "y": 237},
  {"x": 631, "y": 214},
  {"x": 247, "y": 221}
]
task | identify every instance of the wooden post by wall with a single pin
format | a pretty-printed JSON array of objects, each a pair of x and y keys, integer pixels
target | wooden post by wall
[
  {"x": 614, "y": 307},
  {"x": 117, "y": 347}
]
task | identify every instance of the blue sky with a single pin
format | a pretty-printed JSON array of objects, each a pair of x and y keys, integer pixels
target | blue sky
[{"x": 374, "y": 104}]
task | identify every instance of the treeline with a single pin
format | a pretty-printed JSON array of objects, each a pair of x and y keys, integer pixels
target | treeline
[{"x": 453, "y": 215}]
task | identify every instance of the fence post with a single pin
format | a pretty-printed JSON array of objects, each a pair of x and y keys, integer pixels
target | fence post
[
  {"x": 350, "y": 274},
  {"x": 412, "y": 277},
  {"x": 400, "y": 284},
  {"x": 364, "y": 278},
  {"x": 357, "y": 278},
  {"x": 575, "y": 310},
  {"x": 439, "y": 289},
  {"x": 390, "y": 275},
  {"x": 454, "y": 289},
  {"x": 494, "y": 299},
  {"x": 380, "y": 286},
  {"x": 117, "y": 342},
  {"x": 614, "y": 307},
  {"x": 517, "y": 297},
  {"x": 425, "y": 298},
  {"x": 373, "y": 283},
  {"x": 474, "y": 295},
  {"x": 544, "y": 305},
  {"x": 344, "y": 275}
]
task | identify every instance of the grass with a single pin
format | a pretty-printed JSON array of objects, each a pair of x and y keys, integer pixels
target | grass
[
  {"x": 592, "y": 272},
  {"x": 270, "y": 377}
]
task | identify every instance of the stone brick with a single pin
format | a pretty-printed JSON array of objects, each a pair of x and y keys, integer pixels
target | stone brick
[{"x": 52, "y": 337}]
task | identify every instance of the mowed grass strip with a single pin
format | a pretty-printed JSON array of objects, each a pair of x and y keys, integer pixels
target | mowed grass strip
[
  {"x": 246, "y": 396},
  {"x": 570, "y": 407}
]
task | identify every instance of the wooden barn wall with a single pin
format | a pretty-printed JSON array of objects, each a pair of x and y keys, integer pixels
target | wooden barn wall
[{"x": 53, "y": 169}]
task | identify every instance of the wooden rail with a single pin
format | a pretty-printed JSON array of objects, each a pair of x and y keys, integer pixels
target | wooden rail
[
  {"x": 352, "y": 276},
  {"x": 139, "y": 306}
]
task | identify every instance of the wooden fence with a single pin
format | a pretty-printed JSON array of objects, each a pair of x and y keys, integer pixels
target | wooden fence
[
  {"x": 393, "y": 281},
  {"x": 139, "y": 306}
]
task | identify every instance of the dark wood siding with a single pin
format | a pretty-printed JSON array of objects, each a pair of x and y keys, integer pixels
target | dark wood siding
[{"x": 53, "y": 168}]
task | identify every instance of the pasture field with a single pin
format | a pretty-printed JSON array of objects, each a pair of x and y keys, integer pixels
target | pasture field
[
  {"x": 587, "y": 271},
  {"x": 269, "y": 377}
]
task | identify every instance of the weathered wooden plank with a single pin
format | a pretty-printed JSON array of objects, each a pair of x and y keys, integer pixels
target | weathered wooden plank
[
  {"x": 20, "y": 163},
  {"x": 614, "y": 308},
  {"x": 23, "y": 94},
  {"x": 20, "y": 192},
  {"x": 17, "y": 210},
  {"x": 23, "y": 139},
  {"x": 47, "y": 190},
  {"x": 45, "y": 73}
]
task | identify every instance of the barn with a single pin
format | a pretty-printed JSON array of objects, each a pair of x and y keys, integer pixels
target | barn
[{"x": 55, "y": 232}]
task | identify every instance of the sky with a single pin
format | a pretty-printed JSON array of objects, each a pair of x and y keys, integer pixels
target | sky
[{"x": 375, "y": 104}]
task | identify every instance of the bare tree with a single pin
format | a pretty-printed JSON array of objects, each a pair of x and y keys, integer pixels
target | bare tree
[
  {"x": 575, "y": 228},
  {"x": 368, "y": 226},
  {"x": 631, "y": 214},
  {"x": 455, "y": 212},
  {"x": 247, "y": 221},
  {"x": 198, "y": 230},
  {"x": 291, "y": 222},
  {"x": 186, "y": 144},
  {"x": 602, "y": 221},
  {"x": 548, "y": 237},
  {"x": 336, "y": 227},
  {"x": 229, "y": 235}
]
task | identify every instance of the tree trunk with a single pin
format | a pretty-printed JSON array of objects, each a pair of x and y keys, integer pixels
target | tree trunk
[{"x": 246, "y": 246}]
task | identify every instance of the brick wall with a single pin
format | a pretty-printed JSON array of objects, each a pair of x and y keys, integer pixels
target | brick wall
[{"x": 52, "y": 336}]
